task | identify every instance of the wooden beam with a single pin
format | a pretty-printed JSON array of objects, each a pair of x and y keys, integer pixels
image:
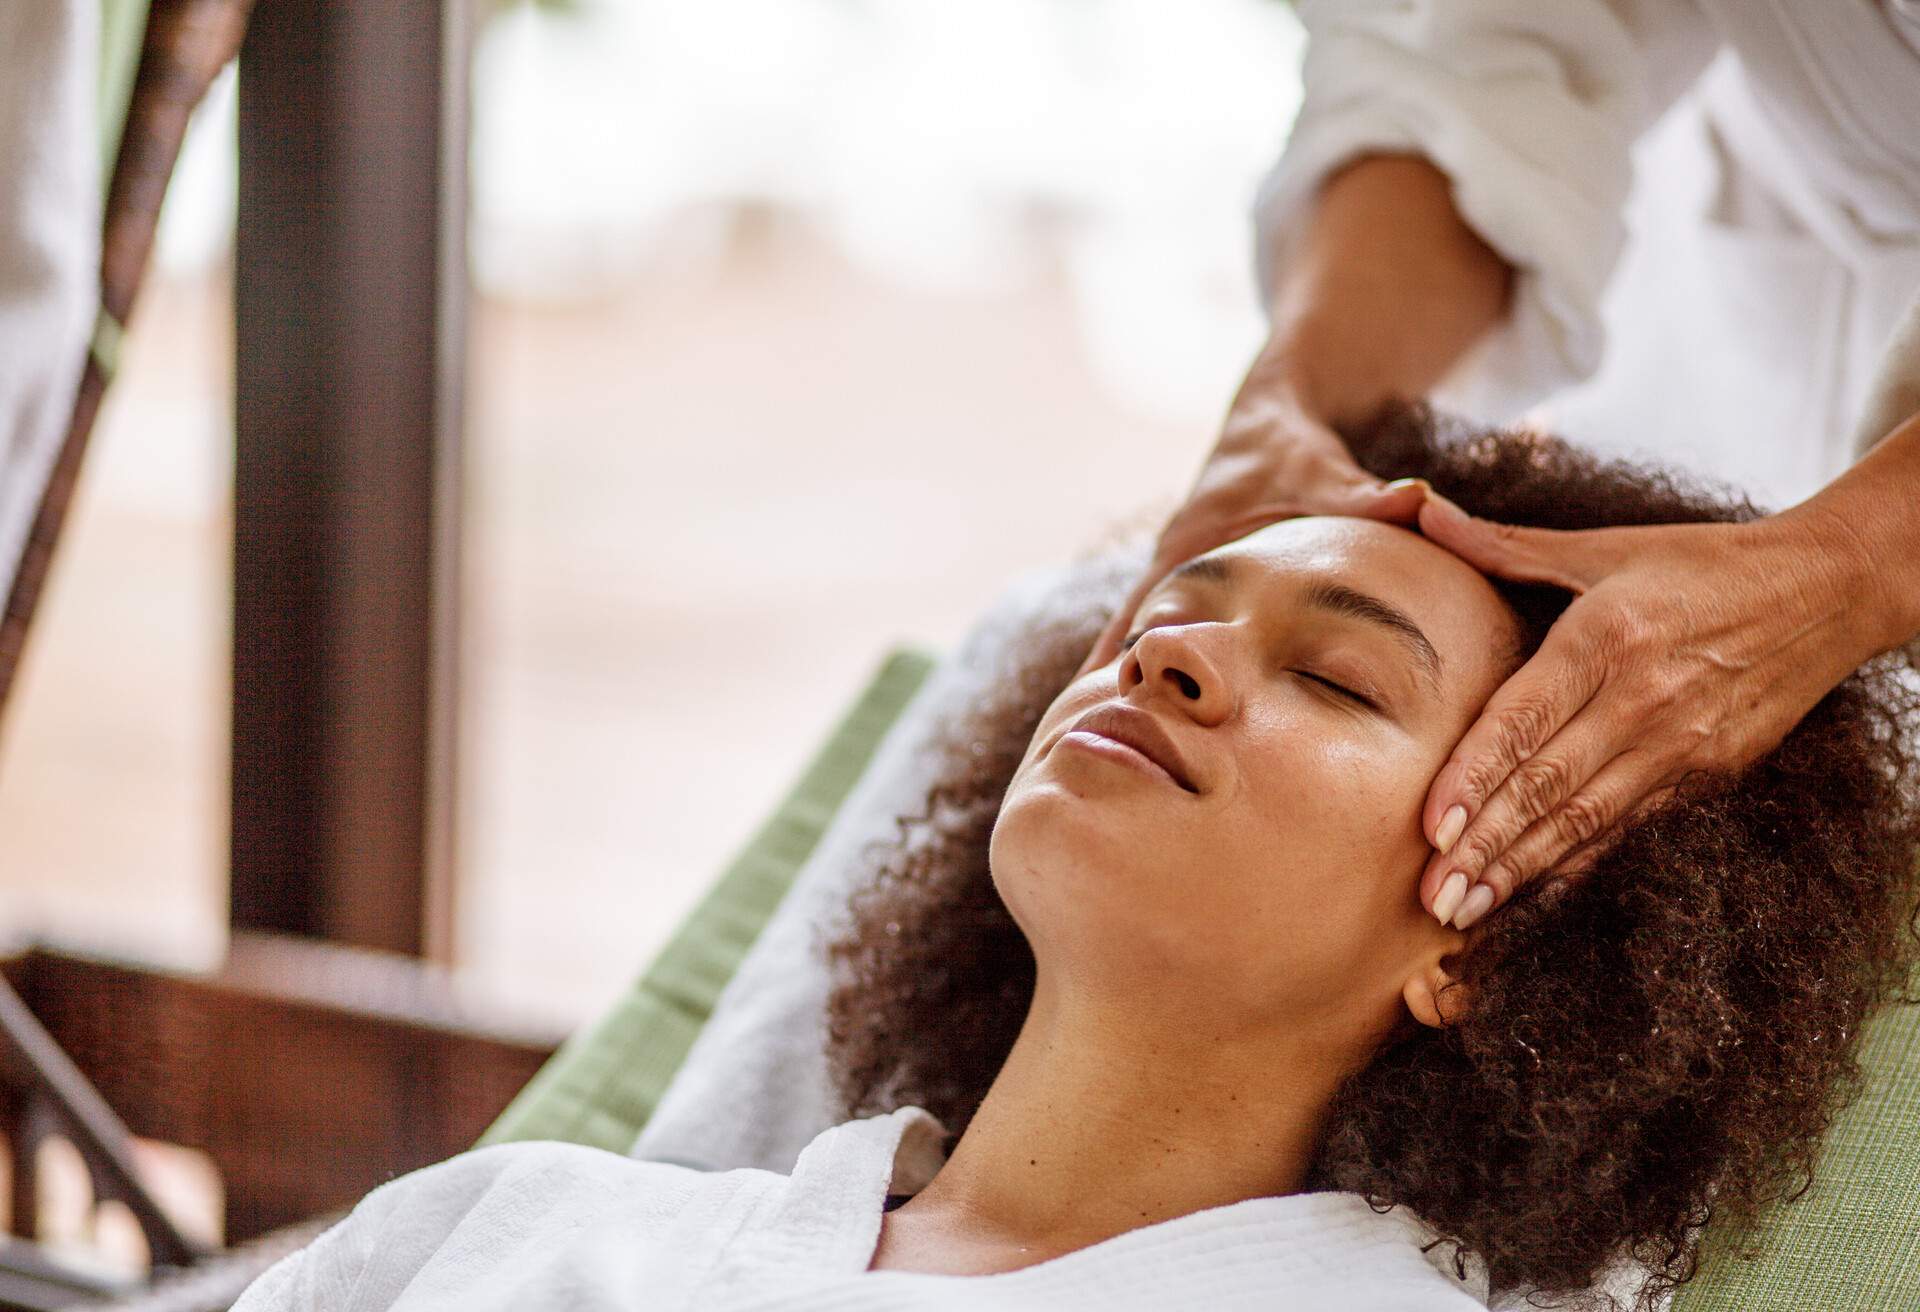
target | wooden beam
[{"x": 350, "y": 309}]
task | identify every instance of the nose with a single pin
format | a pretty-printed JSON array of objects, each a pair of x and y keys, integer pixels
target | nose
[{"x": 1174, "y": 661}]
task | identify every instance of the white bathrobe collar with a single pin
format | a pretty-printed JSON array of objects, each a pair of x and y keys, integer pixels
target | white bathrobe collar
[{"x": 830, "y": 1217}]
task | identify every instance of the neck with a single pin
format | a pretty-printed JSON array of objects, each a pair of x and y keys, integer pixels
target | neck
[{"x": 1100, "y": 1123}]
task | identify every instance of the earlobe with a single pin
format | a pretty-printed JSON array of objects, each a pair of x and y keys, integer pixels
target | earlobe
[{"x": 1434, "y": 996}]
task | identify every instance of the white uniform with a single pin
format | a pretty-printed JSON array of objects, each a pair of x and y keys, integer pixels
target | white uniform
[
  {"x": 1714, "y": 287},
  {"x": 542, "y": 1225}
]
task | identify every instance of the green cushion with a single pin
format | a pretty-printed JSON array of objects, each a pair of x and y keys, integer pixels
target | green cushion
[
  {"x": 605, "y": 1081},
  {"x": 1851, "y": 1243}
]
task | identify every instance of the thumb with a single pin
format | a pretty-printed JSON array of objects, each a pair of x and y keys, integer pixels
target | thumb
[
  {"x": 1398, "y": 502},
  {"x": 1573, "y": 559}
]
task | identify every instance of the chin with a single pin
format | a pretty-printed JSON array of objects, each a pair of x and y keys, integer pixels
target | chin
[
  {"x": 1062, "y": 858},
  {"x": 1066, "y": 824}
]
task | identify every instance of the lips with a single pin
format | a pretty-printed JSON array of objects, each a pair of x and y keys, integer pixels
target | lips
[{"x": 1140, "y": 731}]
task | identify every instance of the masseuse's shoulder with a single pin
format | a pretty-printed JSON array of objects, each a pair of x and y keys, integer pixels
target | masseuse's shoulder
[{"x": 480, "y": 1201}]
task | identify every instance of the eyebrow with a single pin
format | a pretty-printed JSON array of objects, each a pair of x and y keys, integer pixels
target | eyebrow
[{"x": 1336, "y": 598}]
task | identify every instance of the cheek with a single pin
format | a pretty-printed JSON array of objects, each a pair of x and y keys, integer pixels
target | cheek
[
  {"x": 1323, "y": 843},
  {"x": 1329, "y": 795}
]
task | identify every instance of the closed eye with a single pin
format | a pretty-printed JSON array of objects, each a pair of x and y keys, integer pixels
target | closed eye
[{"x": 1341, "y": 689}]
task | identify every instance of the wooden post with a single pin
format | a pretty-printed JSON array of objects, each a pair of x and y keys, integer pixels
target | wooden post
[{"x": 350, "y": 309}]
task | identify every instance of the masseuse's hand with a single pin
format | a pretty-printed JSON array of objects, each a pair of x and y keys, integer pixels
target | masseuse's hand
[
  {"x": 1274, "y": 460},
  {"x": 1686, "y": 647},
  {"x": 1385, "y": 290}
]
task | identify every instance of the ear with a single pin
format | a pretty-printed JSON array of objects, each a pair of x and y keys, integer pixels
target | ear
[{"x": 1434, "y": 996}]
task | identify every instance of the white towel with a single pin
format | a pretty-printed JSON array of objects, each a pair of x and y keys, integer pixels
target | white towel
[{"x": 49, "y": 243}]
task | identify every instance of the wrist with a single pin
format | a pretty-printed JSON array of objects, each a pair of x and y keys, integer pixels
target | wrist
[
  {"x": 1865, "y": 559},
  {"x": 1289, "y": 376},
  {"x": 1385, "y": 291}
]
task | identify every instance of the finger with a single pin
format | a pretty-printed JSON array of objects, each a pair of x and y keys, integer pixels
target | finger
[
  {"x": 1575, "y": 863},
  {"x": 1579, "y": 859},
  {"x": 1571, "y": 559},
  {"x": 1570, "y": 837},
  {"x": 1521, "y": 717},
  {"x": 1537, "y": 786},
  {"x": 1397, "y": 502}
]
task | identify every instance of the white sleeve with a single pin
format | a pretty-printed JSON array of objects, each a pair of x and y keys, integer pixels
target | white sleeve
[{"x": 1530, "y": 107}]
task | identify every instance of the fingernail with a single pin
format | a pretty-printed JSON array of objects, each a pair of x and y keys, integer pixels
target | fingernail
[
  {"x": 1450, "y": 826},
  {"x": 1447, "y": 900},
  {"x": 1474, "y": 907},
  {"x": 1399, "y": 483}
]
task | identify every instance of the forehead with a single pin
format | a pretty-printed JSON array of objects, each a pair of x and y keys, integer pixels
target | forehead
[{"x": 1453, "y": 604}]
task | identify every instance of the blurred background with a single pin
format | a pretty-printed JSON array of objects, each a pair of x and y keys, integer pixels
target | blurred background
[{"x": 797, "y": 328}]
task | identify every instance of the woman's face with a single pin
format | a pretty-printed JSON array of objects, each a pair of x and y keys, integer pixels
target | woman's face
[{"x": 1313, "y": 677}]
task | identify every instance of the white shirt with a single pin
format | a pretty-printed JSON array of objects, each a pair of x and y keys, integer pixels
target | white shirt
[
  {"x": 1713, "y": 205},
  {"x": 541, "y": 1225}
]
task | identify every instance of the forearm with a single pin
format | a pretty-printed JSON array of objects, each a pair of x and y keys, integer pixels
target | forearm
[
  {"x": 1386, "y": 290},
  {"x": 1870, "y": 516}
]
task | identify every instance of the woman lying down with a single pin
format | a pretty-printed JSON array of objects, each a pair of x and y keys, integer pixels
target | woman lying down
[{"x": 1199, "y": 1042}]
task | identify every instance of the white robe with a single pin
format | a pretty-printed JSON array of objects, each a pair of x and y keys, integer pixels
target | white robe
[
  {"x": 1715, "y": 291},
  {"x": 558, "y": 1227}
]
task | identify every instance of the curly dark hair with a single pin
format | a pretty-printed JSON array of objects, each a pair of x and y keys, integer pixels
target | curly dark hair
[{"x": 1658, "y": 1041}]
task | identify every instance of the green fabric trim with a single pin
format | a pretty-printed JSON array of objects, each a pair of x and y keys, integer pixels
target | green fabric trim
[
  {"x": 107, "y": 337},
  {"x": 604, "y": 1082},
  {"x": 123, "y": 30}
]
